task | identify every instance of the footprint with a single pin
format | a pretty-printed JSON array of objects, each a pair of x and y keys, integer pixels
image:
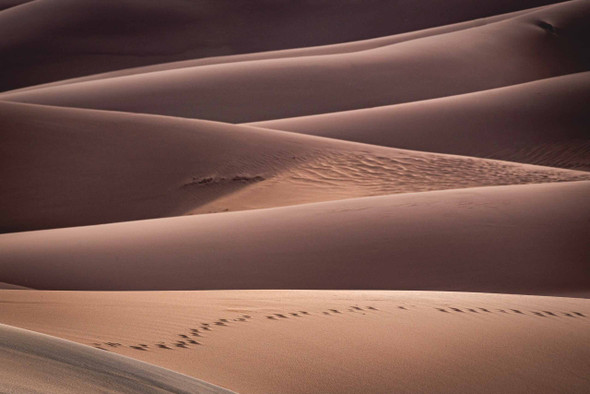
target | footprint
[
  {"x": 182, "y": 345},
  {"x": 247, "y": 316},
  {"x": 223, "y": 320},
  {"x": 113, "y": 344},
  {"x": 550, "y": 313},
  {"x": 579, "y": 314},
  {"x": 442, "y": 310},
  {"x": 335, "y": 310},
  {"x": 456, "y": 309},
  {"x": 220, "y": 323},
  {"x": 502, "y": 310},
  {"x": 304, "y": 312},
  {"x": 568, "y": 314},
  {"x": 326, "y": 313},
  {"x": 271, "y": 317},
  {"x": 484, "y": 310},
  {"x": 372, "y": 308},
  {"x": 472, "y": 310},
  {"x": 517, "y": 311},
  {"x": 403, "y": 307},
  {"x": 539, "y": 314},
  {"x": 295, "y": 314},
  {"x": 281, "y": 315},
  {"x": 138, "y": 348},
  {"x": 162, "y": 346},
  {"x": 193, "y": 342},
  {"x": 183, "y": 336},
  {"x": 357, "y": 308}
]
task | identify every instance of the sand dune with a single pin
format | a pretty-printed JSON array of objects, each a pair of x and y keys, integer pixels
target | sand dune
[
  {"x": 499, "y": 54},
  {"x": 330, "y": 342},
  {"x": 33, "y": 362},
  {"x": 48, "y": 40},
  {"x": 65, "y": 167},
  {"x": 517, "y": 239},
  {"x": 346, "y": 47},
  {"x": 543, "y": 122}
]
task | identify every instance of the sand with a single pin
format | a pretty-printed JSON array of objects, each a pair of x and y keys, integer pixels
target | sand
[
  {"x": 498, "y": 54},
  {"x": 48, "y": 40},
  {"x": 512, "y": 239},
  {"x": 541, "y": 122},
  {"x": 33, "y": 362},
  {"x": 294, "y": 196},
  {"x": 323, "y": 341}
]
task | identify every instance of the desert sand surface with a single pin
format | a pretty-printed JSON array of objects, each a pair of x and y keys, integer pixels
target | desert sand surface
[
  {"x": 33, "y": 362},
  {"x": 498, "y": 54},
  {"x": 49, "y": 40},
  {"x": 329, "y": 341},
  {"x": 514, "y": 239},
  {"x": 541, "y": 122},
  {"x": 295, "y": 196},
  {"x": 192, "y": 166}
]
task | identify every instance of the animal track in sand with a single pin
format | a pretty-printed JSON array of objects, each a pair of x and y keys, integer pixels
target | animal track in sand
[{"x": 186, "y": 341}]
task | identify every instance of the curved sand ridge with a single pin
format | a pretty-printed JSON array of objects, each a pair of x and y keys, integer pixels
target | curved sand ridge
[
  {"x": 499, "y": 54},
  {"x": 48, "y": 40},
  {"x": 544, "y": 122},
  {"x": 514, "y": 239},
  {"x": 346, "y": 47},
  {"x": 330, "y": 341},
  {"x": 66, "y": 167},
  {"x": 33, "y": 362}
]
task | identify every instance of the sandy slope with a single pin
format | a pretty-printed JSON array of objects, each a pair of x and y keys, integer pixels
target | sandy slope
[
  {"x": 48, "y": 40},
  {"x": 64, "y": 167},
  {"x": 35, "y": 363},
  {"x": 543, "y": 122},
  {"x": 499, "y": 54},
  {"x": 330, "y": 342},
  {"x": 346, "y": 47},
  {"x": 513, "y": 239}
]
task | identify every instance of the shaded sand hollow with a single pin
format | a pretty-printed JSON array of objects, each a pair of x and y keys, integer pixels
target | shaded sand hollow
[{"x": 329, "y": 341}]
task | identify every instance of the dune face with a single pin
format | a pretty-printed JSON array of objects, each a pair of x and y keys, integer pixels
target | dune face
[
  {"x": 294, "y": 196},
  {"x": 33, "y": 362},
  {"x": 336, "y": 341},
  {"x": 499, "y": 54},
  {"x": 544, "y": 122},
  {"x": 517, "y": 239},
  {"x": 86, "y": 37},
  {"x": 64, "y": 167}
]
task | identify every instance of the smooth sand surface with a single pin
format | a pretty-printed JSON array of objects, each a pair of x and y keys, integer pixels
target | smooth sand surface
[
  {"x": 335, "y": 195},
  {"x": 513, "y": 239},
  {"x": 35, "y": 363},
  {"x": 330, "y": 342},
  {"x": 345, "y": 47},
  {"x": 498, "y": 54},
  {"x": 542, "y": 122},
  {"x": 49, "y": 40},
  {"x": 65, "y": 167}
]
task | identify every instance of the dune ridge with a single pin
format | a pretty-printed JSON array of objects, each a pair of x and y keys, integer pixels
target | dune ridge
[
  {"x": 33, "y": 362},
  {"x": 514, "y": 239},
  {"x": 65, "y": 167},
  {"x": 82, "y": 37},
  {"x": 542, "y": 122},
  {"x": 499, "y": 54}
]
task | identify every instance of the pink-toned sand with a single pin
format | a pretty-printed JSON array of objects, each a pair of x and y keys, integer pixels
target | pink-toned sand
[{"x": 294, "y": 197}]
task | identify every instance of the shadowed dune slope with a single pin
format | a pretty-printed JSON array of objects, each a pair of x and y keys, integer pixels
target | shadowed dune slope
[
  {"x": 64, "y": 167},
  {"x": 544, "y": 122},
  {"x": 48, "y": 40},
  {"x": 514, "y": 239},
  {"x": 346, "y": 47},
  {"x": 33, "y": 362},
  {"x": 499, "y": 54},
  {"x": 330, "y": 341}
]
